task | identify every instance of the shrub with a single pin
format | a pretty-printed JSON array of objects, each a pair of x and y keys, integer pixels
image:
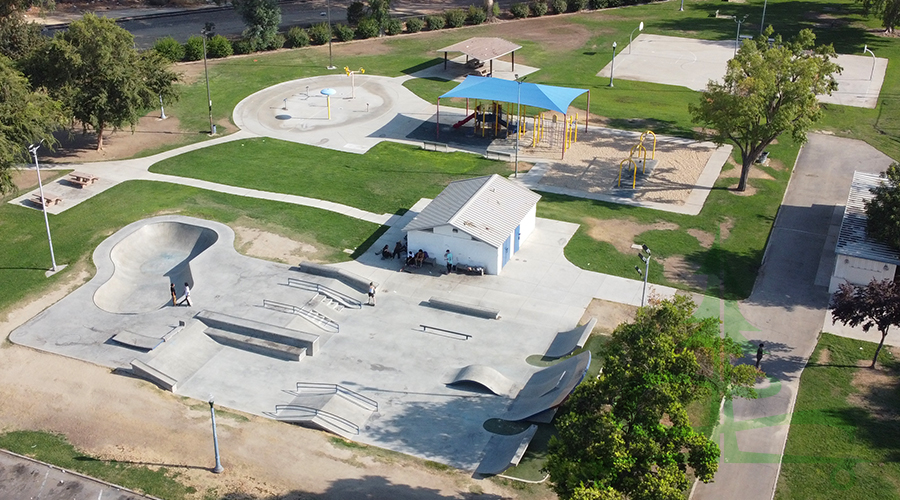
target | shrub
[
  {"x": 242, "y": 46},
  {"x": 559, "y": 6},
  {"x": 169, "y": 49},
  {"x": 614, "y": 3},
  {"x": 297, "y": 37},
  {"x": 367, "y": 28},
  {"x": 434, "y": 22},
  {"x": 320, "y": 34},
  {"x": 193, "y": 48},
  {"x": 519, "y": 10},
  {"x": 275, "y": 43},
  {"x": 496, "y": 9},
  {"x": 476, "y": 15},
  {"x": 393, "y": 27},
  {"x": 356, "y": 12},
  {"x": 344, "y": 33},
  {"x": 415, "y": 25},
  {"x": 577, "y": 5},
  {"x": 455, "y": 18},
  {"x": 539, "y": 8},
  {"x": 218, "y": 46},
  {"x": 597, "y": 4}
]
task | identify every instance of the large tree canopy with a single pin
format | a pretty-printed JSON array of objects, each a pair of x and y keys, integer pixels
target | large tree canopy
[
  {"x": 876, "y": 304},
  {"x": 887, "y": 10},
  {"x": 25, "y": 117},
  {"x": 262, "y": 18},
  {"x": 626, "y": 434},
  {"x": 95, "y": 71},
  {"x": 883, "y": 210},
  {"x": 768, "y": 90}
]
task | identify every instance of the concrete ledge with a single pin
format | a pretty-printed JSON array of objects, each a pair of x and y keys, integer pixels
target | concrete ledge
[
  {"x": 257, "y": 345},
  {"x": 159, "y": 378},
  {"x": 262, "y": 331},
  {"x": 354, "y": 281},
  {"x": 459, "y": 307},
  {"x": 566, "y": 342}
]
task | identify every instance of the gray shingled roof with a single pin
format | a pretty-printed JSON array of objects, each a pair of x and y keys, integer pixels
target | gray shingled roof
[
  {"x": 486, "y": 208},
  {"x": 853, "y": 240}
]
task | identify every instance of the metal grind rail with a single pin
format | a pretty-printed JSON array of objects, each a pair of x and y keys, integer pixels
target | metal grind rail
[
  {"x": 314, "y": 317},
  {"x": 465, "y": 336},
  {"x": 322, "y": 388}
]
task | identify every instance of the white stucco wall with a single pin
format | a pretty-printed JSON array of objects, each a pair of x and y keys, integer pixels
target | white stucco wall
[
  {"x": 859, "y": 271},
  {"x": 465, "y": 250}
]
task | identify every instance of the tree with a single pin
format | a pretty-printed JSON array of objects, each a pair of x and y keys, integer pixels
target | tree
[
  {"x": 262, "y": 18},
  {"x": 887, "y": 10},
  {"x": 19, "y": 38},
  {"x": 768, "y": 90},
  {"x": 380, "y": 10},
  {"x": 626, "y": 434},
  {"x": 26, "y": 116},
  {"x": 876, "y": 304},
  {"x": 883, "y": 210},
  {"x": 94, "y": 70}
]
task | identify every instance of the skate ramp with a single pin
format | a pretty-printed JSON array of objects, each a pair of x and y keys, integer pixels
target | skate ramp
[
  {"x": 146, "y": 261},
  {"x": 486, "y": 377},
  {"x": 328, "y": 407},
  {"x": 549, "y": 387},
  {"x": 503, "y": 452},
  {"x": 566, "y": 343}
]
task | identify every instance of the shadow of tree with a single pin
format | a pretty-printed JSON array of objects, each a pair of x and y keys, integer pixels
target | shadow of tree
[{"x": 369, "y": 488}]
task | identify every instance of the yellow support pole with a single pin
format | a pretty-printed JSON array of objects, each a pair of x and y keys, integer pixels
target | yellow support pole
[{"x": 621, "y": 165}]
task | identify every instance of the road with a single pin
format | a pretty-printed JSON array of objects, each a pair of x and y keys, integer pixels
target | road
[{"x": 147, "y": 29}]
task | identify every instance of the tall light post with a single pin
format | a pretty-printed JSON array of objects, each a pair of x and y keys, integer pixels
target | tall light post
[
  {"x": 762, "y": 23},
  {"x": 612, "y": 68},
  {"x": 204, "y": 31},
  {"x": 639, "y": 28},
  {"x": 645, "y": 273},
  {"x": 212, "y": 412},
  {"x": 737, "y": 39},
  {"x": 871, "y": 73},
  {"x": 518, "y": 119},
  {"x": 33, "y": 150},
  {"x": 682, "y": 6},
  {"x": 330, "y": 36}
]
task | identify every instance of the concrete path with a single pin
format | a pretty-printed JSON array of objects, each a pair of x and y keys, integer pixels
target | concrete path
[{"x": 786, "y": 311}]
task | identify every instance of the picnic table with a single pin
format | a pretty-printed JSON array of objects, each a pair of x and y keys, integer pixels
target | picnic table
[
  {"x": 48, "y": 200},
  {"x": 82, "y": 179}
]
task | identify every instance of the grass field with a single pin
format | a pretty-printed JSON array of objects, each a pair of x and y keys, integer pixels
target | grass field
[{"x": 845, "y": 436}]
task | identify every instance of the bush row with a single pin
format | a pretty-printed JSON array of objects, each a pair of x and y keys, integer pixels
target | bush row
[{"x": 538, "y": 8}]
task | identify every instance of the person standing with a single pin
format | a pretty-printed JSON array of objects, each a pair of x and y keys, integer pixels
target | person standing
[
  {"x": 759, "y": 355},
  {"x": 398, "y": 250},
  {"x": 187, "y": 295},
  {"x": 174, "y": 295},
  {"x": 371, "y": 294},
  {"x": 449, "y": 258}
]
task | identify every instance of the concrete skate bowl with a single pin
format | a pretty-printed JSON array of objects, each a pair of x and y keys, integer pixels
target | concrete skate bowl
[{"x": 146, "y": 261}]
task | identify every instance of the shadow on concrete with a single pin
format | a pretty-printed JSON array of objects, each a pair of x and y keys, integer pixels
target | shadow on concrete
[{"x": 368, "y": 488}]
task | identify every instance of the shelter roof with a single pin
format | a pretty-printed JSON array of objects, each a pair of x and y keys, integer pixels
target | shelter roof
[
  {"x": 529, "y": 94},
  {"x": 486, "y": 208},
  {"x": 853, "y": 240},
  {"x": 483, "y": 48}
]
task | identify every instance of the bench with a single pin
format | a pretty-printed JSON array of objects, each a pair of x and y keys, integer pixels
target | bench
[
  {"x": 430, "y": 261},
  {"x": 48, "y": 200},
  {"x": 480, "y": 72},
  {"x": 435, "y": 146},
  {"x": 159, "y": 378},
  {"x": 493, "y": 154},
  {"x": 81, "y": 179}
]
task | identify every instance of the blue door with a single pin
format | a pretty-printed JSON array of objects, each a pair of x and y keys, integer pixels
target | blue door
[
  {"x": 506, "y": 250},
  {"x": 517, "y": 235}
]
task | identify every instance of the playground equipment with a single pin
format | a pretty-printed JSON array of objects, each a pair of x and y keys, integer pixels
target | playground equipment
[
  {"x": 641, "y": 151},
  {"x": 351, "y": 75},
  {"x": 328, "y": 93}
]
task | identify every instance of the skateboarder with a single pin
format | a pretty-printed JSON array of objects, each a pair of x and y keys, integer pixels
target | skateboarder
[
  {"x": 174, "y": 295},
  {"x": 371, "y": 294},
  {"x": 759, "y": 355}
]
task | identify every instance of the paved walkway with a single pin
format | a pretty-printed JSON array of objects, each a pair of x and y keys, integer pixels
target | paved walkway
[{"x": 786, "y": 311}]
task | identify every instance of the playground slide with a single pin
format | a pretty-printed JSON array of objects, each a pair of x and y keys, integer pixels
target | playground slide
[{"x": 463, "y": 121}]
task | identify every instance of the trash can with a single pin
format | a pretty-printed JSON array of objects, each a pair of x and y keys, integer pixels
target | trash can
[{"x": 763, "y": 157}]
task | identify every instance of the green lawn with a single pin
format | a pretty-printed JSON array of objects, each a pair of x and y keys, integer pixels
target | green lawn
[
  {"x": 77, "y": 231},
  {"x": 54, "y": 449},
  {"x": 843, "y": 443}
]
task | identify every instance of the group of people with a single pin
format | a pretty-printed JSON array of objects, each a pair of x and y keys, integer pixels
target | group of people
[
  {"x": 187, "y": 295},
  {"x": 412, "y": 259}
]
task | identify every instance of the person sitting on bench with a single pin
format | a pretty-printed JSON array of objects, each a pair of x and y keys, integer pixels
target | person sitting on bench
[{"x": 420, "y": 258}]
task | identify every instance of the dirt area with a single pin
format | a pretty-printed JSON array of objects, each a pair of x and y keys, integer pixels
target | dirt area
[
  {"x": 144, "y": 425},
  {"x": 877, "y": 389},
  {"x": 264, "y": 244},
  {"x": 150, "y": 133},
  {"x": 609, "y": 315},
  {"x": 592, "y": 164},
  {"x": 706, "y": 240},
  {"x": 678, "y": 269},
  {"x": 621, "y": 233}
]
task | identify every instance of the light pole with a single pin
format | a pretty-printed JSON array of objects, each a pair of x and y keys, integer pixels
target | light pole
[
  {"x": 737, "y": 39},
  {"x": 871, "y": 73},
  {"x": 212, "y": 129},
  {"x": 762, "y": 23},
  {"x": 330, "y": 36},
  {"x": 33, "y": 150},
  {"x": 639, "y": 28},
  {"x": 682, "y": 6},
  {"x": 518, "y": 118},
  {"x": 612, "y": 68},
  {"x": 162, "y": 109},
  {"x": 212, "y": 411},
  {"x": 645, "y": 273}
]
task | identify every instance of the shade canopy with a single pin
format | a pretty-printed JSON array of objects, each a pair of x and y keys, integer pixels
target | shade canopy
[
  {"x": 482, "y": 48},
  {"x": 532, "y": 94}
]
